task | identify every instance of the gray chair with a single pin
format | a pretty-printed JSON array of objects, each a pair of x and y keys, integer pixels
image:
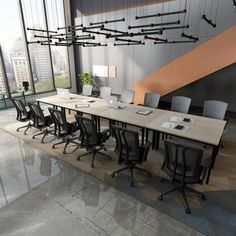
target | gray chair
[
  {"x": 87, "y": 89},
  {"x": 151, "y": 100},
  {"x": 104, "y": 92},
  {"x": 127, "y": 96},
  {"x": 215, "y": 109},
  {"x": 183, "y": 165},
  {"x": 180, "y": 104}
]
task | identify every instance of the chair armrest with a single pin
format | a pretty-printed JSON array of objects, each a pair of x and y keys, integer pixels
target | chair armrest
[
  {"x": 205, "y": 167},
  {"x": 105, "y": 134},
  {"x": 146, "y": 148}
]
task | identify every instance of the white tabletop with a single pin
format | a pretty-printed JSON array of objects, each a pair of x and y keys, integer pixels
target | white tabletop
[{"x": 200, "y": 129}]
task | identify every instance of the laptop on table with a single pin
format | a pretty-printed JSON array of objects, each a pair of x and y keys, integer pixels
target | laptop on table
[
  {"x": 112, "y": 102},
  {"x": 63, "y": 93}
]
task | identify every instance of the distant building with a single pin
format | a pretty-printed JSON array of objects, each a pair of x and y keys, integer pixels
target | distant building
[
  {"x": 21, "y": 70},
  {"x": 40, "y": 60},
  {"x": 2, "y": 84}
]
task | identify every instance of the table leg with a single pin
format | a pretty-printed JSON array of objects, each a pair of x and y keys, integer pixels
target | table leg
[
  {"x": 143, "y": 133},
  {"x": 213, "y": 158},
  {"x": 157, "y": 140}
]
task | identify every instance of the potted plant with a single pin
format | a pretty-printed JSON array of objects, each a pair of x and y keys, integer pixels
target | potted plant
[{"x": 86, "y": 78}]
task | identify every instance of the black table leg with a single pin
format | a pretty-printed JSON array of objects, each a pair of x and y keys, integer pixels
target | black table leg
[{"x": 213, "y": 158}]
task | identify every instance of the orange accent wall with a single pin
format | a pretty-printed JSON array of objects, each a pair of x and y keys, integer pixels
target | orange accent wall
[{"x": 207, "y": 58}]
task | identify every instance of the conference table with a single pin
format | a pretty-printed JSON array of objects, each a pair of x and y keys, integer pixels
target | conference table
[{"x": 195, "y": 128}]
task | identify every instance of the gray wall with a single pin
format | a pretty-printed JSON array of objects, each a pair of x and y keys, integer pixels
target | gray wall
[{"x": 136, "y": 62}]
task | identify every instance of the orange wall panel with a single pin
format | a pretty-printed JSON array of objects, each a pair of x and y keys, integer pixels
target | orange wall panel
[{"x": 207, "y": 58}]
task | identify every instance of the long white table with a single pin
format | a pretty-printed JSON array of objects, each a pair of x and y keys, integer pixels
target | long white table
[{"x": 200, "y": 129}]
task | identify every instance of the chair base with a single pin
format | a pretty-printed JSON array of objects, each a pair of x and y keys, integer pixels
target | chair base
[
  {"x": 131, "y": 168},
  {"x": 182, "y": 189},
  {"x": 67, "y": 141},
  {"x": 44, "y": 133},
  {"x": 28, "y": 126},
  {"x": 94, "y": 152}
]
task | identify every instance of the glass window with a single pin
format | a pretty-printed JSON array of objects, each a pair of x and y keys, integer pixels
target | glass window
[
  {"x": 13, "y": 47},
  {"x": 33, "y": 12},
  {"x": 55, "y": 16}
]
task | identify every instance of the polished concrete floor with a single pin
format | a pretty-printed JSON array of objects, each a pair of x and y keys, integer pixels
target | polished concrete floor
[{"x": 42, "y": 195}]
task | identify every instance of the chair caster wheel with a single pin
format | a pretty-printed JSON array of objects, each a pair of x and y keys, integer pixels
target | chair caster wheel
[
  {"x": 33, "y": 137},
  {"x": 53, "y": 147},
  {"x": 160, "y": 197},
  {"x": 112, "y": 175},
  {"x": 188, "y": 211},
  {"x": 64, "y": 152},
  {"x": 92, "y": 165},
  {"x": 203, "y": 197},
  {"x": 78, "y": 158},
  {"x": 162, "y": 180},
  {"x": 149, "y": 175},
  {"x": 132, "y": 184}
]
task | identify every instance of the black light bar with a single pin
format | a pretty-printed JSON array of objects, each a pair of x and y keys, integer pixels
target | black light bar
[
  {"x": 84, "y": 35},
  {"x": 41, "y": 30},
  {"x": 152, "y": 25},
  {"x": 46, "y": 44},
  {"x": 174, "y": 42},
  {"x": 107, "y": 21},
  {"x": 210, "y": 22},
  {"x": 166, "y": 28},
  {"x": 128, "y": 44},
  {"x": 95, "y": 32},
  {"x": 161, "y": 14},
  {"x": 133, "y": 34},
  {"x": 75, "y": 26},
  {"x": 41, "y": 36},
  {"x": 83, "y": 38},
  {"x": 100, "y": 45},
  {"x": 128, "y": 40},
  {"x": 189, "y": 37},
  {"x": 156, "y": 39},
  {"x": 114, "y": 31},
  {"x": 63, "y": 44},
  {"x": 94, "y": 27}
]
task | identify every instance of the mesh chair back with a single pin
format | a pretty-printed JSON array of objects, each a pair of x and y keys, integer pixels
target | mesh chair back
[
  {"x": 89, "y": 130},
  {"x": 59, "y": 119},
  {"x": 215, "y": 109},
  {"x": 180, "y": 104},
  {"x": 87, "y": 89},
  {"x": 182, "y": 163},
  {"x": 151, "y": 100},
  {"x": 130, "y": 142},
  {"x": 127, "y": 96},
  {"x": 104, "y": 92},
  {"x": 37, "y": 113},
  {"x": 22, "y": 112}
]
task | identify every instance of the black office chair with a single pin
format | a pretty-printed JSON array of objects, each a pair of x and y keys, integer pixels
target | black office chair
[
  {"x": 41, "y": 121},
  {"x": 23, "y": 114},
  {"x": 93, "y": 140},
  {"x": 183, "y": 165},
  {"x": 68, "y": 131},
  {"x": 129, "y": 151}
]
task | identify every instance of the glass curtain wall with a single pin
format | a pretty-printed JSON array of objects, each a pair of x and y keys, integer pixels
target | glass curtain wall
[
  {"x": 48, "y": 64},
  {"x": 34, "y": 17},
  {"x": 13, "y": 50},
  {"x": 55, "y": 16}
]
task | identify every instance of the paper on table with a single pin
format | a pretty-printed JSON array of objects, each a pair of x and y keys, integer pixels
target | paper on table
[
  {"x": 180, "y": 119},
  {"x": 169, "y": 125},
  {"x": 176, "y": 119},
  {"x": 81, "y": 104}
]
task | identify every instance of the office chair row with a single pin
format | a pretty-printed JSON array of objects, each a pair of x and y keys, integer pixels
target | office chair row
[
  {"x": 212, "y": 108},
  {"x": 181, "y": 163}
]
